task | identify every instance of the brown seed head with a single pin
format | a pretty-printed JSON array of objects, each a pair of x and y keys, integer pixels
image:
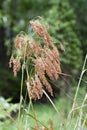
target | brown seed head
[
  {"x": 16, "y": 64},
  {"x": 36, "y": 47},
  {"x": 19, "y": 42},
  {"x": 41, "y": 31},
  {"x": 35, "y": 88}
]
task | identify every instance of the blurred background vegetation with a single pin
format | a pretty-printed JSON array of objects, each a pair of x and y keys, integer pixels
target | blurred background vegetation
[{"x": 67, "y": 21}]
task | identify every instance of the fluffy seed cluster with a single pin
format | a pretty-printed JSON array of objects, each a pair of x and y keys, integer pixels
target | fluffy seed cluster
[
  {"x": 35, "y": 88},
  {"x": 16, "y": 64},
  {"x": 41, "y": 31},
  {"x": 44, "y": 57}
]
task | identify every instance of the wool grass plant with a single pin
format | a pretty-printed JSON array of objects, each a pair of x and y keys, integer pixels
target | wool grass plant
[{"x": 36, "y": 55}]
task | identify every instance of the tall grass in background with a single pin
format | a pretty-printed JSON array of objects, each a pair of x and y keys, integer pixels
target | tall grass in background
[{"x": 81, "y": 118}]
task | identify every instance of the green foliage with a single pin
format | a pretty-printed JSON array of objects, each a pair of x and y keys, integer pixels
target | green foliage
[
  {"x": 62, "y": 21},
  {"x": 80, "y": 9},
  {"x": 6, "y": 108},
  {"x": 6, "y": 112}
]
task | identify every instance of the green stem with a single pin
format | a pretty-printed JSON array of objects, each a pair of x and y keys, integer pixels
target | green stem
[
  {"x": 31, "y": 104},
  {"x": 83, "y": 70},
  {"x": 37, "y": 120},
  {"x": 58, "y": 112},
  {"x": 75, "y": 97},
  {"x": 23, "y": 66},
  {"x": 20, "y": 98}
]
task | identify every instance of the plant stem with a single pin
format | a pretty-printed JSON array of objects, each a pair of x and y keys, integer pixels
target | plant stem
[
  {"x": 75, "y": 97},
  {"x": 19, "y": 114},
  {"x": 83, "y": 71},
  {"x": 23, "y": 66},
  {"x": 54, "y": 106},
  {"x": 37, "y": 120}
]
